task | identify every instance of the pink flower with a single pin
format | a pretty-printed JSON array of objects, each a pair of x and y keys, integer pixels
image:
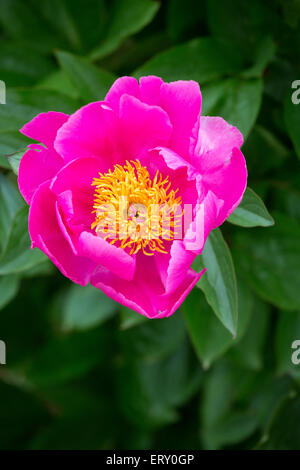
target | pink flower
[{"x": 147, "y": 142}]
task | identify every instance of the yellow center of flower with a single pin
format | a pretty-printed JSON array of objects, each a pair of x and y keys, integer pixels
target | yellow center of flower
[{"x": 134, "y": 211}]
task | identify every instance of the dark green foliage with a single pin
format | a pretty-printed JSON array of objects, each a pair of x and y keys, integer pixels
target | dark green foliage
[{"x": 83, "y": 372}]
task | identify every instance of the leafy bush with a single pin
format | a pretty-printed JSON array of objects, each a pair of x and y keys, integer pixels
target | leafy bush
[{"x": 84, "y": 373}]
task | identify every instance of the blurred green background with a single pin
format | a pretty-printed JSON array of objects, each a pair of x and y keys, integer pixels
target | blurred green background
[{"x": 84, "y": 373}]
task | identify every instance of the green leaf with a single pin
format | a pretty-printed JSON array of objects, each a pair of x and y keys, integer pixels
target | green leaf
[
  {"x": 16, "y": 254},
  {"x": 270, "y": 261},
  {"x": 244, "y": 23},
  {"x": 150, "y": 391},
  {"x": 21, "y": 65},
  {"x": 130, "y": 318},
  {"x": 249, "y": 352},
  {"x": 224, "y": 420},
  {"x": 127, "y": 18},
  {"x": 263, "y": 142},
  {"x": 236, "y": 100},
  {"x": 264, "y": 54},
  {"x": 287, "y": 332},
  {"x": 8, "y": 289},
  {"x": 219, "y": 283},
  {"x": 153, "y": 339},
  {"x": 12, "y": 142},
  {"x": 23, "y": 23},
  {"x": 60, "y": 82},
  {"x": 78, "y": 25},
  {"x": 14, "y": 161},
  {"x": 251, "y": 212},
  {"x": 10, "y": 203},
  {"x": 202, "y": 59},
  {"x": 86, "y": 307},
  {"x": 91, "y": 82},
  {"x": 180, "y": 22},
  {"x": 292, "y": 120},
  {"x": 23, "y": 105},
  {"x": 68, "y": 357},
  {"x": 283, "y": 432},
  {"x": 209, "y": 337}
]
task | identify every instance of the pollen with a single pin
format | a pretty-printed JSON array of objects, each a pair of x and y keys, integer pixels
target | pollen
[{"x": 134, "y": 211}]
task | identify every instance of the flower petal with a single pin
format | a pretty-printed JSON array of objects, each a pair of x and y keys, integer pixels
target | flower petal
[
  {"x": 144, "y": 293},
  {"x": 111, "y": 257},
  {"x": 228, "y": 184},
  {"x": 205, "y": 220},
  {"x": 123, "y": 85},
  {"x": 182, "y": 101},
  {"x": 37, "y": 166},
  {"x": 44, "y": 127},
  {"x": 142, "y": 127},
  {"x": 77, "y": 177},
  {"x": 45, "y": 234},
  {"x": 89, "y": 132},
  {"x": 216, "y": 139},
  {"x": 150, "y": 90},
  {"x": 174, "y": 266}
]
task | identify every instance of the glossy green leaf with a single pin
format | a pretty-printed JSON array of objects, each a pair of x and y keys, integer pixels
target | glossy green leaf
[
  {"x": 263, "y": 142},
  {"x": 270, "y": 261},
  {"x": 21, "y": 65},
  {"x": 127, "y": 18},
  {"x": 14, "y": 161},
  {"x": 12, "y": 142},
  {"x": 86, "y": 307},
  {"x": 91, "y": 82},
  {"x": 249, "y": 352},
  {"x": 223, "y": 420},
  {"x": 244, "y": 23},
  {"x": 236, "y": 100},
  {"x": 150, "y": 391},
  {"x": 219, "y": 282},
  {"x": 202, "y": 59},
  {"x": 180, "y": 22},
  {"x": 78, "y": 25},
  {"x": 283, "y": 432},
  {"x": 8, "y": 289},
  {"x": 16, "y": 254},
  {"x": 153, "y": 339},
  {"x": 23, "y": 105},
  {"x": 68, "y": 357},
  {"x": 262, "y": 56},
  {"x": 10, "y": 203},
  {"x": 60, "y": 82},
  {"x": 251, "y": 212},
  {"x": 209, "y": 337},
  {"x": 130, "y": 318}
]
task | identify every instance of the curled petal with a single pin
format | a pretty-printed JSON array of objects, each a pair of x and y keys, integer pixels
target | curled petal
[
  {"x": 44, "y": 127},
  {"x": 142, "y": 126},
  {"x": 46, "y": 234},
  {"x": 37, "y": 166},
  {"x": 111, "y": 257},
  {"x": 89, "y": 132},
  {"x": 216, "y": 139},
  {"x": 145, "y": 294}
]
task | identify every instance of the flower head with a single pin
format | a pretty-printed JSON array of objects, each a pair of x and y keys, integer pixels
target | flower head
[{"x": 124, "y": 192}]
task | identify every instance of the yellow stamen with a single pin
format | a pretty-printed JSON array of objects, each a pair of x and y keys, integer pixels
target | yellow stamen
[{"x": 135, "y": 212}]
